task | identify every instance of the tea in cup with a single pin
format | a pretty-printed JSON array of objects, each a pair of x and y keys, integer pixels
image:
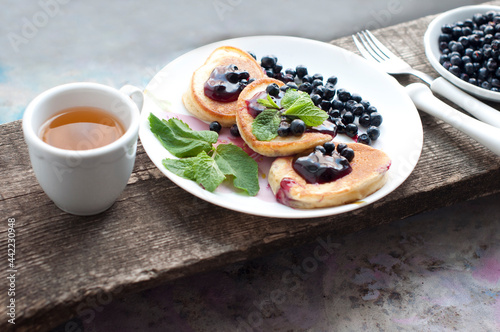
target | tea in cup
[{"x": 82, "y": 141}]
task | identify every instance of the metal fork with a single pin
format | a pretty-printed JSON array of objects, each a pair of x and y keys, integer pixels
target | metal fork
[
  {"x": 374, "y": 50},
  {"x": 488, "y": 135}
]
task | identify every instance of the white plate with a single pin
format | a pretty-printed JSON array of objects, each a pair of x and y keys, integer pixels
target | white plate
[
  {"x": 433, "y": 53},
  {"x": 401, "y": 129}
]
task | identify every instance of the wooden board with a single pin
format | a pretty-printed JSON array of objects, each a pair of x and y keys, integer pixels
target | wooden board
[{"x": 157, "y": 232}]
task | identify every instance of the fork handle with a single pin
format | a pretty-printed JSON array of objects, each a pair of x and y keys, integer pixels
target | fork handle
[
  {"x": 472, "y": 105},
  {"x": 483, "y": 133}
]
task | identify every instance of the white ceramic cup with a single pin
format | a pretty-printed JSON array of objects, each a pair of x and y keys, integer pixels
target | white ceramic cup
[{"x": 84, "y": 182}]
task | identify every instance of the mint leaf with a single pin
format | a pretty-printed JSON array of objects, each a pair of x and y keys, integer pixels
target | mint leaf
[
  {"x": 206, "y": 172},
  {"x": 182, "y": 167},
  {"x": 291, "y": 95},
  {"x": 265, "y": 125},
  {"x": 179, "y": 139},
  {"x": 232, "y": 160},
  {"x": 304, "y": 109},
  {"x": 268, "y": 103}
]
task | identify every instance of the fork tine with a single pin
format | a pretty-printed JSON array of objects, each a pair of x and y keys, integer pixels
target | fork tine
[
  {"x": 365, "y": 48},
  {"x": 361, "y": 48},
  {"x": 378, "y": 44},
  {"x": 374, "y": 47}
]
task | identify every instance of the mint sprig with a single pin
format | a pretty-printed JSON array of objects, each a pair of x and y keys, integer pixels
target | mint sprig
[
  {"x": 295, "y": 104},
  {"x": 265, "y": 125},
  {"x": 179, "y": 139},
  {"x": 200, "y": 161},
  {"x": 268, "y": 102}
]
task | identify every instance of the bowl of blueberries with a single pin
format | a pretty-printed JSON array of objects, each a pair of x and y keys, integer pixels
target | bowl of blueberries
[{"x": 463, "y": 46}]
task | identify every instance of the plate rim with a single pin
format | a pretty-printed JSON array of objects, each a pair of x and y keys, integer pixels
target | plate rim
[{"x": 303, "y": 213}]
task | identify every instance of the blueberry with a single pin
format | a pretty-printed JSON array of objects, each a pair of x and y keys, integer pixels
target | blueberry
[
  {"x": 455, "y": 70},
  {"x": 290, "y": 71},
  {"x": 334, "y": 113},
  {"x": 337, "y": 105},
  {"x": 284, "y": 88},
  {"x": 347, "y": 118},
  {"x": 317, "y": 82},
  {"x": 376, "y": 119},
  {"x": 341, "y": 147},
  {"x": 215, "y": 126},
  {"x": 307, "y": 78},
  {"x": 365, "y": 120},
  {"x": 348, "y": 154},
  {"x": 325, "y": 105},
  {"x": 343, "y": 95},
  {"x": 320, "y": 148},
  {"x": 292, "y": 85},
  {"x": 348, "y": 105},
  {"x": 365, "y": 103},
  {"x": 491, "y": 64},
  {"x": 364, "y": 139},
  {"x": 234, "y": 130},
  {"x": 329, "y": 91},
  {"x": 284, "y": 128},
  {"x": 278, "y": 67},
  {"x": 297, "y": 127},
  {"x": 456, "y": 60},
  {"x": 356, "y": 97},
  {"x": 318, "y": 76},
  {"x": 320, "y": 90},
  {"x": 482, "y": 73},
  {"x": 329, "y": 147},
  {"x": 444, "y": 37},
  {"x": 373, "y": 132},
  {"x": 252, "y": 54},
  {"x": 332, "y": 80},
  {"x": 357, "y": 109},
  {"x": 306, "y": 87},
  {"x": 301, "y": 71},
  {"x": 268, "y": 61},
  {"x": 469, "y": 68},
  {"x": 269, "y": 72},
  {"x": 273, "y": 90},
  {"x": 446, "y": 28},
  {"x": 316, "y": 98},
  {"x": 351, "y": 130},
  {"x": 371, "y": 109},
  {"x": 486, "y": 85}
]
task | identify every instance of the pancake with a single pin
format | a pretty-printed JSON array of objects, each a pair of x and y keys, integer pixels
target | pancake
[
  {"x": 208, "y": 109},
  {"x": 369, "y": 173},
  {"x": 279, "y": 146}
]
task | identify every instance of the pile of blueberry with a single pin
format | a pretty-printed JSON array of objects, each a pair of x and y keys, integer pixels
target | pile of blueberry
[
  {"x": 471, "y": 50},
  {"x": 349, "y": 111}
]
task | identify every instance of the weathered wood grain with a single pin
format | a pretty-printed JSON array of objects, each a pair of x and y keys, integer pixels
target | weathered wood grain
[{"x": 157, "y": 232}]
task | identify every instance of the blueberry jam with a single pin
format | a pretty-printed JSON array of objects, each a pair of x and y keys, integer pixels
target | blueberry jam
[
  {"x": 225, "y": 83},
  {"x": 326, "y": 127},
  {"x": 318, "y": 167},
  {"x": 255, "y": 108}
]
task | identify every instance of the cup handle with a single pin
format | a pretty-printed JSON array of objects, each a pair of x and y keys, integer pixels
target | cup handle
[{"x": 135, "y": 94}]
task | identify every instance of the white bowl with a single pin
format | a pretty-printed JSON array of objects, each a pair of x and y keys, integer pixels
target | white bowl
[{"x": 433, "y": 53}]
